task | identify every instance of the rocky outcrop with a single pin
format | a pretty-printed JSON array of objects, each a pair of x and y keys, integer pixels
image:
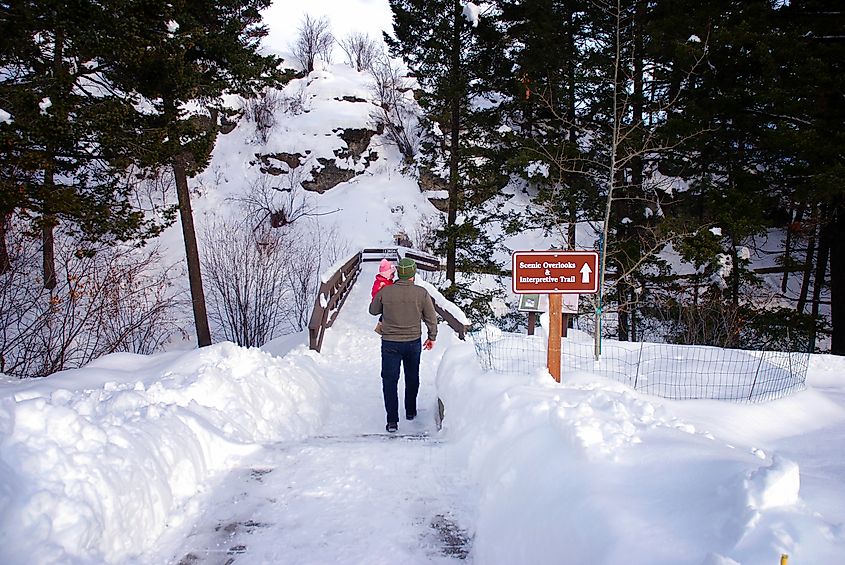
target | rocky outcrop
[
  {"x": 326, "y": 173},
  {"x": 357, "y": 140},
  {"x": 350, "y": 99},
  {"x": 329, "y": 176},
  {"x": 435, "y": 188},
  {"x": 441, "y": 204},
  {"x": 270, "y": 163},
  {"x": 429, "y": 181}
]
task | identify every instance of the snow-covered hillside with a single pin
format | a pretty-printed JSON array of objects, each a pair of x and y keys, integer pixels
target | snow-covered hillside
[{"x": 319, "y": 165}]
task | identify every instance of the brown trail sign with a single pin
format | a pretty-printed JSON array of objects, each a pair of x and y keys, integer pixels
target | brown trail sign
[{"x": 555, "y": 273}]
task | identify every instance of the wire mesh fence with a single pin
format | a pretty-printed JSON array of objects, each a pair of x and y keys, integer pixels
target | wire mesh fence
[
  {"x": 506, "y": 352},
  {"x": 665, "y": 370}
]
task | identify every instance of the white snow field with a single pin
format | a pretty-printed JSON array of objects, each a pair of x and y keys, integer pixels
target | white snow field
[{"x": 231, "y": 455}]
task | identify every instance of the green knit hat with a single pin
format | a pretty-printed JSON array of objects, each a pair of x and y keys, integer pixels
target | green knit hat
[{"x": 406, "y": 269}]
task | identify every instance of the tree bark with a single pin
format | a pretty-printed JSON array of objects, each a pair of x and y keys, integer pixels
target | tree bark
[
  {"x": 735, "y": 274},
  {"x": 48, "y": 220},
  {"x": 5, "y": 260},
  {"x": 48, "y": 252},
  {"x": 612, "y": 169},
  {"x": 454, "y": 155},
  {"x": 570, "y": 117},
  {"x": 818, "y": 280},
  {"x": 637, "y": 176},
  {"x": 48, "y": 240},
  {"x": 808, "y": 263},
  {"x": 622, "y": 317},
  {"x": 797, "y": 215},
  {"x": 191, "y": 253},
  {"x": 634, "y": 317},
  {"x": 837, "y": 280}
]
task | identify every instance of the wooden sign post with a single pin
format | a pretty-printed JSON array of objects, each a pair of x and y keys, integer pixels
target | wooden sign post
[
  {"x": 555, "y": 332},
  {"x": 555, "y": 273}
]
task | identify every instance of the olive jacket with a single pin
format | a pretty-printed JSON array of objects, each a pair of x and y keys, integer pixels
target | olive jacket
[{"x": 403, "y": 305}]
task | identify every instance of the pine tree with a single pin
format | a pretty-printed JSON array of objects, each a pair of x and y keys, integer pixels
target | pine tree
[
  {"x": 541, "y": 83},
  {"x": 198, "y": 51},
  {"x": 811, "y": 51},
  {"x": 768, "y": 158},
  {"x": 439, "y": 46},
  {"x": 69, "y": 130}
]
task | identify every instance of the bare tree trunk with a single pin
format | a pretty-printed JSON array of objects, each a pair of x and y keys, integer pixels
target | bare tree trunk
[
  {"x": 622, "y": 316},
  {"x": 611, "y": 177},
  {"x": 837, "y": 280},
  {"x": 48, "y": 241},
  {"x": 179, "y": 162},
  {"x": 48, "y": 220},
  {"x": 454, "y": 155},
  {"x": 634, "y": 317},
  {"x": 191, "y": 253},
  {"x": 787, "y": 246},
  {"x": 5, "y": 260},
  {"x": 735, "y": 275},
  {"x": 821, "y": 270},
  {"x": 48, "y": 224},
  {"x": 797, "y": 214},
  {"x": 808, "y": 262},
  {"x": 636, "y": 163},
  {"x": 570, "y": 117}
]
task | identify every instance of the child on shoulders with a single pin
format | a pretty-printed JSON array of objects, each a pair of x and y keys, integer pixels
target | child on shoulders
[{"x": 384, "y": 277}]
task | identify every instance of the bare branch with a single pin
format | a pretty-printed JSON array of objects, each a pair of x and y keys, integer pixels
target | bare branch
[
  {"x": 282, "y": 201},
  {"x": 396, "y": 113},
  {"x": 314, "y": 41},
  {"x": 361, "y": 51}
]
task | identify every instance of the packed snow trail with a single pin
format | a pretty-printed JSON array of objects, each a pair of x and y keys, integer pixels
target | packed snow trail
[{"x": 354, "y": 494}]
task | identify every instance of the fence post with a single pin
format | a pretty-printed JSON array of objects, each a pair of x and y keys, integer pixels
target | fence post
[
  {"x": 639, "y": 362},
  {"x": 756, "y": 374}
]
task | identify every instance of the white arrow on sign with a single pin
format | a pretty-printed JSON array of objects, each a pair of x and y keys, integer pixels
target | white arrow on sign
[{"x": 585, "y": 273}]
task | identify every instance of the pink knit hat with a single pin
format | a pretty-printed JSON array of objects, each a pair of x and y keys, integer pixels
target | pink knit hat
[{"x": 386, "y": 269}]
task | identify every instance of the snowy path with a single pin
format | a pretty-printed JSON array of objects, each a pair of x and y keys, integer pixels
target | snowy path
[{"x": 354, "y": 494}]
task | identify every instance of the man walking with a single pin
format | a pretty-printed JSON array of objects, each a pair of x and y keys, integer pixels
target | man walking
[{"x": 403, "y": 305}]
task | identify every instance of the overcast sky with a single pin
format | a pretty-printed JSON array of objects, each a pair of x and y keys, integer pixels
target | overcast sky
[{"x": 285, "y": 16}]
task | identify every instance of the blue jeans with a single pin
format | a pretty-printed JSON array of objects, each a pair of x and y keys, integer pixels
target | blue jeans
[{"x": 394, "y": 353}]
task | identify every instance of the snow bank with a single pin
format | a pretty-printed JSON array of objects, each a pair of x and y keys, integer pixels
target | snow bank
[
  {"x": 443, "y": 302},
  {"x": 589, "y": 471},
  {"x": 775, "y": 485},
  {"x": 94, "y": 462}
]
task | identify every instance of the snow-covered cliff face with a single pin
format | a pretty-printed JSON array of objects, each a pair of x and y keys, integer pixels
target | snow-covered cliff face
[
  {"x": 317, "y": 147},
  {"x": 307, "y": 165}
]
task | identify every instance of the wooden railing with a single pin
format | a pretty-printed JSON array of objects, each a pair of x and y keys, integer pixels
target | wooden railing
[
  {"x": 330, "y": 298},
  {"x": 333, "y": 293},
  {"x": 424, "y": 261}
]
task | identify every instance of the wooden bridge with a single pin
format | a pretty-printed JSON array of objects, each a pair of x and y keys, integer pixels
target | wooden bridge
[{"x": 334, "y": 290}]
